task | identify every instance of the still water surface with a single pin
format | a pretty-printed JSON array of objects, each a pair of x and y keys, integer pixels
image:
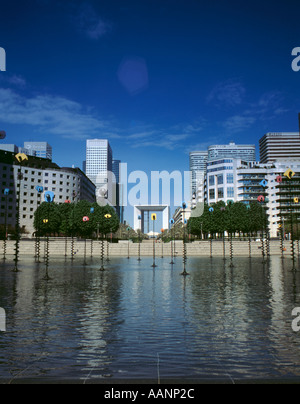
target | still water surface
[{"x": 132, "y": 322}]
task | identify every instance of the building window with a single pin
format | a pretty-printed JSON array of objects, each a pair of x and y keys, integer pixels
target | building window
[
  {"x": 220, "y": 192},
  {"x": 230, "y": 192},
  {"x": 220, "y": 179},
  {"x": 211, "y": 194},
  {"x": 211, "y": 180},
  {"x": 230, "y": 178}
]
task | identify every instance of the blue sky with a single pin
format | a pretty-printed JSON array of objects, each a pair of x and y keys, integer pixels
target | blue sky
[{"x": 157, "y": 78}]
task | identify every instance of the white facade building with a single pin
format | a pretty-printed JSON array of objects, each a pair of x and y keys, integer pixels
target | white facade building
[
  {"x": 38, "y": 149},
  {"x": 198, "y": 161},
  {"x": 240, "y": 181},
  {"x": 66, "y": 184},
  {"x": 99, "y": 169},
  {"x": 232, "y": 150},
  {"x": 279, "y": 145}
]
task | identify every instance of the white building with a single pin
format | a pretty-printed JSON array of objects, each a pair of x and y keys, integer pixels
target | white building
[
  {"x": 198, "y": 160},
  {"x": 66, "y": 184},
  {"x": 99, "y": 169},
  {"x": 181, "y": 215},
  {"x": 237, "y": 180},
  {"x": 279, "y": 145},
  {"x": 38, "y": 149},
  {"x": 232, "y": 150}
]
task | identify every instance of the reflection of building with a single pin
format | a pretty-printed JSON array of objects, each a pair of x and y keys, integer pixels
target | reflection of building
[
  {"x": 66, "y": 183},
  {"x": 280, "y": 145}
]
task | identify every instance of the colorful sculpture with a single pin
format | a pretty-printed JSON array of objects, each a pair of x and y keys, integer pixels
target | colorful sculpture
[{"x": 49, "y": 196}]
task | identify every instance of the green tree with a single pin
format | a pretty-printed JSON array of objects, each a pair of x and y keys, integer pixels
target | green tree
[
  {"x": 66, "y": 210},
  {"x": 100, "y": 222},
  {"x": 257, "y": 219},
  {"x": 81, "y": 218},
  {"x": 47, "y": 219},
  {"x": 233, "y": 218}
]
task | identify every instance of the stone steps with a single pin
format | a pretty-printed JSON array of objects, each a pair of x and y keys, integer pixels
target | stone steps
[{"x": 197, "y": 248}]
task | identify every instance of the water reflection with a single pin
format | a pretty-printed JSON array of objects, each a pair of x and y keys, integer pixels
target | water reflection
[{"x": 218, "y": 323}]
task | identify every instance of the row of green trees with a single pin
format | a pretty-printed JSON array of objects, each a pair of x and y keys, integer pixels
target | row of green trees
[
  {"x": 235, "y": 217},
  {"x": 82, "y": 219}
]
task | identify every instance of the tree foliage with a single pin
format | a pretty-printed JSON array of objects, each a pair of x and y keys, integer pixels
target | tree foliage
[
  {"x": 68, "y": 219},
  {"x": 231, "y": 218}
]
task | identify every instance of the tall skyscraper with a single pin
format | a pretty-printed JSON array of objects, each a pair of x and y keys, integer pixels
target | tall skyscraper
[
  {"x": 279, "y": 145},
  {"x": 38, "y": 149},
  {"x": 198, "y": 161},
  {"x": 99, "y": 167},
  {"x": 244, "y": 152},
  {"x": 116, "y": 164}
]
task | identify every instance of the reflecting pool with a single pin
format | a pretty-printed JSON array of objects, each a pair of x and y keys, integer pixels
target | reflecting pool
[{"x": 132, "y": 322}]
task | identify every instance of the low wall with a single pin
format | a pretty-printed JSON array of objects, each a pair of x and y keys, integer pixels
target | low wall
[{"x": 62, "y": 247}]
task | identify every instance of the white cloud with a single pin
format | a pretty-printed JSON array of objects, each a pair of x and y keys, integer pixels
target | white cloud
[
  {"x": 265, "y": 109},
  {"x": 239, "y": 123},
  {"x": 49, "y": 114},
  {"x": 160, "y": 139},
  {"x": 228, "y": 93},
  {"x": 90, "y": 23}
]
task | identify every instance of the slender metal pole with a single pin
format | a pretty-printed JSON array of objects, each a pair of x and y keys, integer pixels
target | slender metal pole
[
  {"x": 139, "y": 247},
  {"x": 107, "y": 250},
  {"x": 128, "y": 249},
  {"x": 84, "y": 260},
  {"x": 5, "y": 229},
  {"x": 47, "y": 255},
  {"x": 17, "y": 245},
  {"x": 153, "y": 265},
  {"x": 102, "y": 254},
  {"x": 292, "y": 226},
  {"x": 224, "y": 247},
  {"x": 172, "y": 252},
  {"x": 184, "y": 273}
]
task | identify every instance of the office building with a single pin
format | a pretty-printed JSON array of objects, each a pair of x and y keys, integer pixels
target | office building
[
  {"x": 232, "y": 150},
  {"x": 38, "y": 149},
  {"x": 200, "y": 163},
  {"x": 99, "y": 169},
  {"x": 241, "y": 181},
  {"x": 66, "y": 183},
  {"x": 279, "y": 145},
  {"x": 118, "y": 189},
  {"x": 9, "y": 147},
  {"x": 198, "y": 160},
  {"x": 181, "y": 215}
]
